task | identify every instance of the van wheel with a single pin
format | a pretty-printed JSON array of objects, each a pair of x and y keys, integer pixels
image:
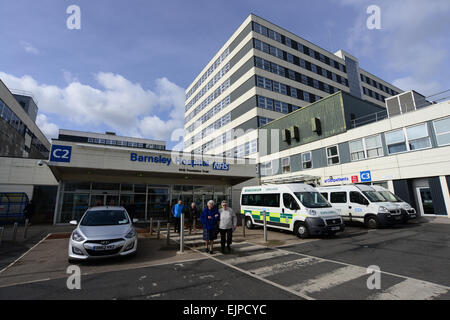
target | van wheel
[
  {"x": 248, "y": 223},
  {"x": 371, "y": 222},
  {"x": 301, "y": 230}
]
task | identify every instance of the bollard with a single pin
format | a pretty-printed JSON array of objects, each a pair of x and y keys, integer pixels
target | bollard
[
  {"x": 243, "y": 225},
  {"x": 25, "y": 231},
  {"x": 14, "y": 231},
  {"x": 182, "y": 232},
  {"x": 1, "y": 234},
  {"x": 265, "y": 226},
  {"x": 168, "y": 233},
  {"x": 151, "y": 226},
  {"x": 158, "y": 229}
]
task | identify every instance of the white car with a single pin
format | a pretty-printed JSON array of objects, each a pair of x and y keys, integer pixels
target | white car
[{"x": 102, "y": 232}]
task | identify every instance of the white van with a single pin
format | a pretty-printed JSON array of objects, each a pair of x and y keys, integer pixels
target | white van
[
  {"x": 408, "y": 212},
  {"x": 296, "y": 207},
  {"x": 362, "y": 203}
]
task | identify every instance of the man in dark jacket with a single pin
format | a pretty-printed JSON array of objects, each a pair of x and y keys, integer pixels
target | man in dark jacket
[
  {"x": 29, "y": 210},
  {"x": 193, "y": 214}
]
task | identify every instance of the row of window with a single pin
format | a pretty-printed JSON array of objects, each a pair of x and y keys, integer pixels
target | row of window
[
  {"x": 224, "y": 86},
  {"x": 208, "y": 86},
  {"x": 263, "y": 121},
  {"x": 213, "y": 111},
  {"x": 208, "y": 72},
  {"x": 262, "y": 46},
  {"x": 285, "y": 89},
  {"x": 401, "y": 140},
  {"x": 121, "y": 143},
  {"x": 295, "y": 76},
  {"x": 297, "y": 46},
  {"x": 373, "y": 94},
  {"x": 378, "y": 85},
  {"x": 10, "y": 117},
  {"x": 219, "y": 123},
  {"x": 275, "y": 105}
]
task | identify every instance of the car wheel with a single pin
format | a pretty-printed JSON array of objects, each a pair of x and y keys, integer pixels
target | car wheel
[
  {"x": 371, "y": 222},
  {"x": 301, "y": 230},
  {"x": 248, "y": 223}
]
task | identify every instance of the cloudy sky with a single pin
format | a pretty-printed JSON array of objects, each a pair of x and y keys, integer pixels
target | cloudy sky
[{"x": 126, "y": 69}]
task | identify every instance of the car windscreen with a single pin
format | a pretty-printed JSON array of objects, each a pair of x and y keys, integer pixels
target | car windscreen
[
  {"x": 374, "y": 196},
  {"x": 389, "y": 196},
  {"x": 312, "y": 199},
  {"x": 105, "y": 218}
]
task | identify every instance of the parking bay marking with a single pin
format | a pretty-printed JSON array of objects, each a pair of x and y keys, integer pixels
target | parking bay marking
[{"x": 337, "y": 277}]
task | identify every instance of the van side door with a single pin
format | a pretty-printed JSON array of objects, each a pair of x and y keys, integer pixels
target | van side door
[
  {"x": 289, "y": 210},
  {"x": 358, "y": 206},
  {"x": 338, "y": 200}
]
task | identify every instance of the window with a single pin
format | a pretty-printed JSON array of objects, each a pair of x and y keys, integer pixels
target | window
[
  {"x": 442, "y": 129},
  {"x": 332, "y": 155},
  {"x": 325, "y": 195},
  {"x": 418, "y": 137},
  {"x": 289, "y": 202},
  {"x": 306, "y": 160},
  {"x": 407, "y": 139},
  {"x": 357, "y": 197},
  {"x": 369, "y": 147},
  {"x": 266, "y": 168},
  {"x": 395, "y": 141},
  {"x": 338, "y": 197},
  {"x": 286, "y": 164}
]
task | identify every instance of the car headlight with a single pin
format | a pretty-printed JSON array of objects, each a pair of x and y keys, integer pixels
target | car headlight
[
  {"x": 312, "y": 212},
  {"x": 131, "y": 234},
  {"x": 407, "y": 207},
  {"x": 76, "y": 236},
  {"x": 382, "y": 209}
]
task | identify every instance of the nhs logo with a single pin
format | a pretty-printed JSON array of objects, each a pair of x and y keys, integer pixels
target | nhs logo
[
  {"x": 60, "y": 153},
  {"x": 365, "y": 176},
  {"x": 221, "y": 166}
]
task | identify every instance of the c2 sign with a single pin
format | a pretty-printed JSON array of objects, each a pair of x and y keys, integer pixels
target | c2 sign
[{"x": 60, "y": 153}]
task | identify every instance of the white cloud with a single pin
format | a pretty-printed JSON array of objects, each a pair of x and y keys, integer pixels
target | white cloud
[
  {"x": 28, "y": 47},
  {"x": 49, "y": 129},
  {"x": 119, "y": 104},
  {"x": 412, "y": 42}
]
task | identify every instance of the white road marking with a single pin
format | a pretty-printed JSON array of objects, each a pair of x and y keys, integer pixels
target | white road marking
[
  {"x": 4, "y": 269},
  {"x": 256, "y": 257},
  {"x": 284, "y": 267},
  {"x": 330, "y": 279},
  {"x": 248, "y": 248},
  {"x": 410, "y": 289}
]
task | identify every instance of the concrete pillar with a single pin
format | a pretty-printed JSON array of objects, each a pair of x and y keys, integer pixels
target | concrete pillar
[{"x": 391, "y": 186}]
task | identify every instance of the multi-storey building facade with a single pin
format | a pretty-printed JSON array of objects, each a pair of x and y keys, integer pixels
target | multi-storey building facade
[{"x": 262, "y": 73}]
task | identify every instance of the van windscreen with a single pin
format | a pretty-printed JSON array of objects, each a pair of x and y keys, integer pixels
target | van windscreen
[
  {"x": 374, "y": 196},
  {"x": 390, "y": 197},
  {"x": 312, "y": 199}
]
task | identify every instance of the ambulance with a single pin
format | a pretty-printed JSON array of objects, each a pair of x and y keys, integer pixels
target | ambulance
[
  {"x": 408, "y": 212},
  {"x": 362, "y": 203},
  {"x": 295, "y": 207}
]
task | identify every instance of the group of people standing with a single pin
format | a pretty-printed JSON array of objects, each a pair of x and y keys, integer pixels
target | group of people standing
[{"x": 214, "y": 221}]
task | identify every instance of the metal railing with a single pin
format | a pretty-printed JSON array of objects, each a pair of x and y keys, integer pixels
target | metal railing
[{"x": 381, "y": 115}]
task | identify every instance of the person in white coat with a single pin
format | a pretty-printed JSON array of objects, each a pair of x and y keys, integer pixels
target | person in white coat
[{"x": 227, "y": 225}]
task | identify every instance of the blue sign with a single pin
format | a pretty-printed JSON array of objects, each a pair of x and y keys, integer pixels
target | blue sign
[
  {"x": 60, "y": 153},
  {"x": 365, "y": 176},
  {"x": 221, "y": 166}
]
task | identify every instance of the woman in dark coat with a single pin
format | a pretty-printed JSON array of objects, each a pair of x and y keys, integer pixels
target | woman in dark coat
[{"x": 209, "y": 218}]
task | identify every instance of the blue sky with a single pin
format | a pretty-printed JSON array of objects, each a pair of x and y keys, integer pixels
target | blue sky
[{"x": 127, "y": 68}]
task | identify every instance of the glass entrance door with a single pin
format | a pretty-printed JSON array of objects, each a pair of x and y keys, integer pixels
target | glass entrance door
[
  {"x": 425, "y": 201},
  {"x": 104, "y": 200}
]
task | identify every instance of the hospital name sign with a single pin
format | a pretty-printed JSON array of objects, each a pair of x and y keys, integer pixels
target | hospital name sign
[{"x": 160, "y": 159}]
